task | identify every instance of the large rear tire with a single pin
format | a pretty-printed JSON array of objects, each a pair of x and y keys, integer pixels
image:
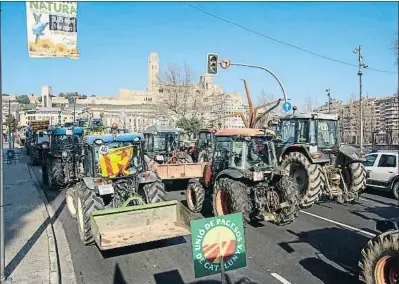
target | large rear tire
[
  {"x": 154, "y": 192},
  {"x": 35, "y": 158},
  {"x": 288, "y": 192},
  {"x": 230, "y": 196},
  {"x": 355, "y": 175},
  {"x": 56, "y": 176},
  {"x": 379, "y": 262},
  {"x": 195, "y": 196},
  {"x": 306, "y": 175},
  {"x": 86, "y": 201}
]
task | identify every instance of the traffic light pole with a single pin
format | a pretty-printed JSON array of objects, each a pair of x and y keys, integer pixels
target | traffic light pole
[{"x": 268, "y": 71}]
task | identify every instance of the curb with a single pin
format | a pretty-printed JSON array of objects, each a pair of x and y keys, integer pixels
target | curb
[{"x": 54, "y": 273}]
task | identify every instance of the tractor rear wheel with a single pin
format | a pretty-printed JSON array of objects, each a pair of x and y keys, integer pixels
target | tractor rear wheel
[
  {"x": 153, "y": 192},
  {"x": 379, "y": 263},
  {"x": 195, "y": 196},
  {"x": 35, "y": 158},
  {"x": 56, "y": 175},
  {"x": 230, "y": 196},
  {"x": 288, "y": 192},
  {"x": 86, "y": 201},
  {"x": 355, "y": 179},
  {"x": 306, "y": 175}
]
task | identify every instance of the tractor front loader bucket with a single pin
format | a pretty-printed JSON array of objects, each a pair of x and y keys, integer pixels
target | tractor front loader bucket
[{"x": 131, "y": 225}]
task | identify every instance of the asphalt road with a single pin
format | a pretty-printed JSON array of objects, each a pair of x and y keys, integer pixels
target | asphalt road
[{"x": 322, "y": 246}]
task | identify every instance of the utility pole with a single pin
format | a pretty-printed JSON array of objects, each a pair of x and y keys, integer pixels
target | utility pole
[
  {"x": 9, "y": 123},
  {"x": 362, "y": 65},
  {"x": 74, "y": 110},
  {"x": 329, "y": 98},
  {"x": 2, "y": 252}
]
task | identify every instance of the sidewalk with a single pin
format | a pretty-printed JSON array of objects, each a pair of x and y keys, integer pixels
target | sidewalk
[{"x": 29, "y": 241}]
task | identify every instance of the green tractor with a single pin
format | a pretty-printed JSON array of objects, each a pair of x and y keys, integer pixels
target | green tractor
[
  {"x": 308, "y": 147},
  {"x": 62, "y": 165},
  {"x": 119, "y": 202}
]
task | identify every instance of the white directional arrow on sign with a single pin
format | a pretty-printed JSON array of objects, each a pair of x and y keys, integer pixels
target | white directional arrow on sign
[{"x": 225, "y": 63}]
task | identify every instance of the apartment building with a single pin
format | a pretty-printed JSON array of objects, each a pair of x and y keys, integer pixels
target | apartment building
[{"x": 380, "y": 119}]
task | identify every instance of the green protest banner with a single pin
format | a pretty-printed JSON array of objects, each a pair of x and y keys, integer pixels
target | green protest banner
[{"x": 218, "y": 240}]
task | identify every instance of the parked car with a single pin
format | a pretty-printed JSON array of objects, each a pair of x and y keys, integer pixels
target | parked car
[{"x": 382, "y": 171}]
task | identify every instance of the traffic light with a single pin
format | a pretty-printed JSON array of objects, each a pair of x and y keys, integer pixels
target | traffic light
[{"x": 212, "y": 63}]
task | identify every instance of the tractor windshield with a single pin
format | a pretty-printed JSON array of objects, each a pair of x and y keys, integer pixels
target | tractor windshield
[
  {"x": 205, "y": 139},
  {"x": 63, "y": 142},
  {"x": 327, "y": 133},
  {"x": 166, "y": 141},
  {"x": 118, "y": 159},
  {"x": 243, "y": 153},
  {"x": 41, "y": 137}
]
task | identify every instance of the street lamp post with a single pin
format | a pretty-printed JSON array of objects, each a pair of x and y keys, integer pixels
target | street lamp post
[
  {"x": 74, "y": 110},
  {"x": 361, "y": 65},
  {"x": 329, "y": 98},
  {"x": 268, "y": 71}
]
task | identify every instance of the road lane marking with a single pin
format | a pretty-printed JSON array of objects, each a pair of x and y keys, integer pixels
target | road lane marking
[
  {"x": 280, "y": 278},
  {"x": 340, "y": 224}
]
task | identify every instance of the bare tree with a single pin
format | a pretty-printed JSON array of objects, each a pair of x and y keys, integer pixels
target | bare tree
[
  {"x": 265, "y": 98},
  {"x": 176, "y": 93}
]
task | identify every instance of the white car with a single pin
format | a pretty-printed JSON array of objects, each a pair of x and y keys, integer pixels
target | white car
[{"x": 382, "y": 171}]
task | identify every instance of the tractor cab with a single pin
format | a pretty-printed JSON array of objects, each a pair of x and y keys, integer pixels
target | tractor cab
[
  {"x": 63, "y": 160},
  {"x": 162, "y": 143},
  {"x": 317, "y": 133},
  {"x": 109, "y": 156},
  {"x": 65, "y": 139},
  {"x": 243, "y": 149}
]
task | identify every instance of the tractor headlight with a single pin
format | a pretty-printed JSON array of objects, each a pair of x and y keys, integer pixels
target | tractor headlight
[
  {"x": 44, "y": 146},
  {"x": 64, "y": 154},
  {"x": 137, "y": 139},
  {"x": 257, "y": 176},
  {"x": 98, "y": 141}
]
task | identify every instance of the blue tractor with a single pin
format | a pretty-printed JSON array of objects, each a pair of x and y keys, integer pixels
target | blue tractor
[
  {"x": 119, "y": 199},
  {"x": 63, "y": 160}
]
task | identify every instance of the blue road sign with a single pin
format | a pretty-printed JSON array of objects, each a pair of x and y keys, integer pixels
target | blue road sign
[{"x": 286, "y": 106}]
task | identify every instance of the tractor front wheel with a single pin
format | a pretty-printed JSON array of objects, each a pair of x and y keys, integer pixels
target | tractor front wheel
[
  {"x": 195, "y": 195},
  {"x": 379, "y": 263},
  {"x": 153, "y": 192},
  {"x": 306, "y": 175},
  {"x": 230, "y": 196},
  {"x": 86, "y": 201}
]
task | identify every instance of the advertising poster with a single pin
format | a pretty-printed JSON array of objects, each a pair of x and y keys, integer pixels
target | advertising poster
[{"x": 52, "y": 29}]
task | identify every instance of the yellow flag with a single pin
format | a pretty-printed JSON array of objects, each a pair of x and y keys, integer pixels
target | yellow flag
[{"x": 115, "y": 161}]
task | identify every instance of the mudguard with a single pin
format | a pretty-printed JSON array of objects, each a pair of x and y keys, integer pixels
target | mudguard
[
  {"x": 146, "y": 177},
  {"x": 352, "y": 154},
  {"x": 234, "y": 173},
  {"x": 89, "y": 182}
]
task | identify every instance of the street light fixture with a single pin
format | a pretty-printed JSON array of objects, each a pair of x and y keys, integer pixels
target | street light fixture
[{"x": 361, "y": 65}]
